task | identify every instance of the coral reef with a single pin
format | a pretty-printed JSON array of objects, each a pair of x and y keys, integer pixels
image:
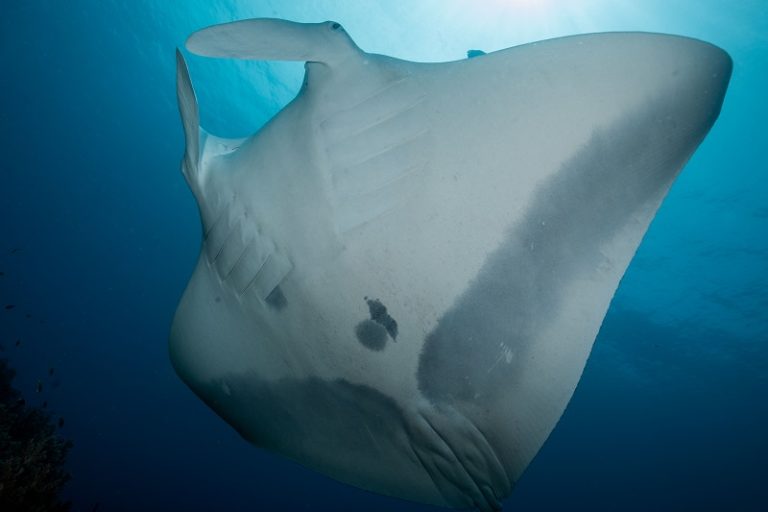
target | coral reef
[{"x": 32, "y": 453}]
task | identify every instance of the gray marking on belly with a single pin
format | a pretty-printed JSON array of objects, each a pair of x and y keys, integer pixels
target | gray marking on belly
[{"x": 517, "y": 290}]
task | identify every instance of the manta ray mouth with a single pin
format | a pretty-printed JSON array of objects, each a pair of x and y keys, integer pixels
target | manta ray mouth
[{"x": 456, "y": 456}]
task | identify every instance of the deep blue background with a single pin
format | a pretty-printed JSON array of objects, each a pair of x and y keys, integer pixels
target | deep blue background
[{"x": 99, "y": 234}]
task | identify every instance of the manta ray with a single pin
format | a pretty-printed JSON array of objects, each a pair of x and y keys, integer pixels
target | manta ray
[{"x": 403, "y": 272}]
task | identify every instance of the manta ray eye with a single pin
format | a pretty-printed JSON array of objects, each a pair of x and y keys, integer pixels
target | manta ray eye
[{"x": 335, "y": 26}]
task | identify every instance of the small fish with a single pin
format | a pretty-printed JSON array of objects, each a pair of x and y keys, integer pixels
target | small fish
[
  {"x": 2, "y": 274},
  {"x": 39, "y": 386},
  {"x": 45, "y": 405},
  {"x": 51, "y": 370},
  {"x": 61, "y": 422},
  {"x": 15, "y": 250},
  {"x": 18, "y": 343},
  {"x": 27, "y": 316},
  {"x": 10, "y": 306}
]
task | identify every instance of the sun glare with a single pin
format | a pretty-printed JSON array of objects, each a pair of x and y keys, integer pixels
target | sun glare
[{"x": 529, "y": 6}]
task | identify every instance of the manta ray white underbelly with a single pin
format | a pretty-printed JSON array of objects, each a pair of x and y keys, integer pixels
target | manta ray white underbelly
[{"x": 403, "y": 273}]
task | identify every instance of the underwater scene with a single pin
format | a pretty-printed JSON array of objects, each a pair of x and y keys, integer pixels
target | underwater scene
[{"x": 383, "y": 255}]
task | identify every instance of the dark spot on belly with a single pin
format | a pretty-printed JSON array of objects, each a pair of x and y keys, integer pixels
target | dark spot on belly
[
  {"x": 276, "y": 299},
  {"x": 371, "y": 335},
  {"x": 379, "y": 315}
]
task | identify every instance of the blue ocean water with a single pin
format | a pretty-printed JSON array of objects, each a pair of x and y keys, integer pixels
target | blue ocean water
[{"x": 99, "y": 235}]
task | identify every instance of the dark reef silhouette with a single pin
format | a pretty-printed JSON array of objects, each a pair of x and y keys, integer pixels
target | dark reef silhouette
[{"x": 32, "y": 453}]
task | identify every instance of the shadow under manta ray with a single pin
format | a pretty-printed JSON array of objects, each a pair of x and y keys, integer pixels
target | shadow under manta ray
[{"x": 403, "y": 272}]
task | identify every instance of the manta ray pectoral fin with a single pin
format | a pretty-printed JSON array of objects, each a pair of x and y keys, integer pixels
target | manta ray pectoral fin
[{"x": 272, "y": 39}]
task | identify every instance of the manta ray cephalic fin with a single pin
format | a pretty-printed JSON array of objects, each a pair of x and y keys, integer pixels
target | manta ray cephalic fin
[{"x": 272, "y": 39}]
